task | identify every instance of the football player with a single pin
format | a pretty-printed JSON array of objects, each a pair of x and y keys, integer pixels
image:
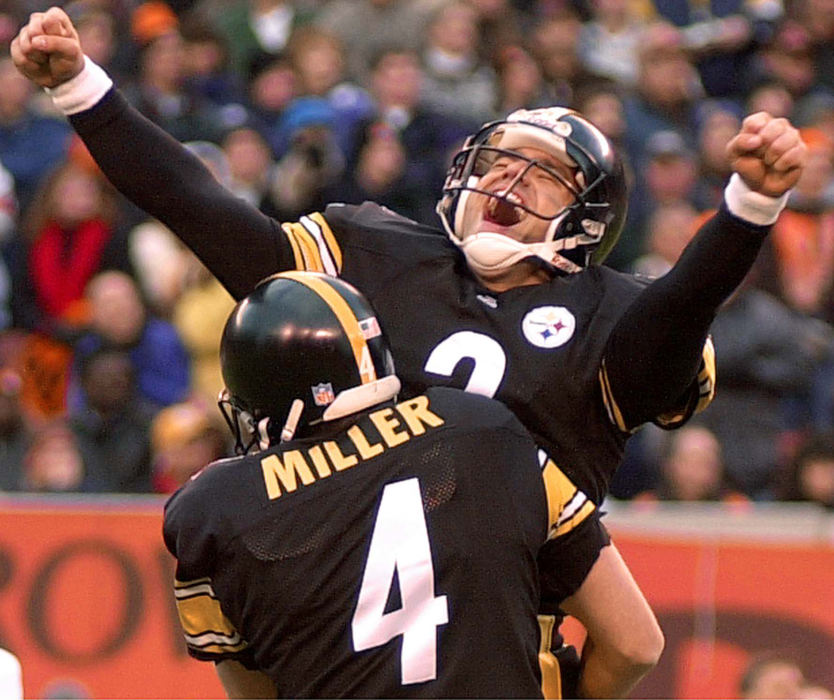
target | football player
[
  {"x": 358, "y": 547},
  {"x": 515, "y": 303}
]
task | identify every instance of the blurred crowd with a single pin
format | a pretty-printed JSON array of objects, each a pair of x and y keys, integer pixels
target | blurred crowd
[{"x": 109, "y": 365}]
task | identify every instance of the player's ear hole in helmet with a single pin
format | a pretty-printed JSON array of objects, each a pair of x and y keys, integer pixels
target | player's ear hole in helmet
[
  {"x": 301, "y": 349},
  {"x": 580, "y": 234}
]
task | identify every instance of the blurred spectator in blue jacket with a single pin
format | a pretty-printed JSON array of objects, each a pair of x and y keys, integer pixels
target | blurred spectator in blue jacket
[
  {"x": 31, "y": 143},
  {"x": 120, "y": 319}
]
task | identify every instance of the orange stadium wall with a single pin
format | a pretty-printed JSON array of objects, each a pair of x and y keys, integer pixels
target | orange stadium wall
[{"x": 86, "y": 604}]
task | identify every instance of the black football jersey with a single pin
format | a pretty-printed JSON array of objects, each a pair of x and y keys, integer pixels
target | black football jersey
[
  {"x": 370, "y": 562},
  {"x": 538, "y": 348}
]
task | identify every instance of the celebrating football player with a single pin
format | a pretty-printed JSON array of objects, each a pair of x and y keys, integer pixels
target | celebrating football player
[
  {"x": 514, "y": 303},
  {"x": 287, "y": 556}
]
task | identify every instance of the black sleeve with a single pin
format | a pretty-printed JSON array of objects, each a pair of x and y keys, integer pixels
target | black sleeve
[
  {"x": 235, "y": 241},
  {"x": 654, "y": 352}
]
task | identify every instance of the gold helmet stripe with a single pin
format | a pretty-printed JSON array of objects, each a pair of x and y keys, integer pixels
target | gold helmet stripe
[{"x": 345, "y": 316}]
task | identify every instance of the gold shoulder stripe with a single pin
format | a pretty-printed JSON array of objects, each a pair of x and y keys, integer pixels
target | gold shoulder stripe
[
  {"x": 329, "y": 248},
  {"x": 567, "y": 506},
  {"x": 706, "y": 377},
  {"x": 298, "y": 259},
  {"x": 305, "y": 245},
  {"x": 347, "y": 319},
  {"x": 614, "y": 414}
]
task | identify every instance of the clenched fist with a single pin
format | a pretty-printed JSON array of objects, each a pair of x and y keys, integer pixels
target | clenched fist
[
  {"x": 767, "y": 153},
  {"x": 47, "y": 49}
]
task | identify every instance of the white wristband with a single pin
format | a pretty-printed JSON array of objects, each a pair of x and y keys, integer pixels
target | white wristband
[
  {"x": 83, "y": 91},
  {"x": 753, "y": 207}
]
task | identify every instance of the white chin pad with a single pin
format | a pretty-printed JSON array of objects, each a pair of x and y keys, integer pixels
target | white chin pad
[{"x": 492, "y": 251}]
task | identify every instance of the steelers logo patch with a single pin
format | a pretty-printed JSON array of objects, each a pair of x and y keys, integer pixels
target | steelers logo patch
[{"x": 548, "y": 326}]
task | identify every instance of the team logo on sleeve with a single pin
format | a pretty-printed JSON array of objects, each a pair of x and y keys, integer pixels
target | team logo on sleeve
[{"x": 548, "y": 326}]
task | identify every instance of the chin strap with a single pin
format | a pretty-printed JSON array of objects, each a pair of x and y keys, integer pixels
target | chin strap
[
  {"x": 490, "y": 254},
  {"x": 288, "y": 431}
]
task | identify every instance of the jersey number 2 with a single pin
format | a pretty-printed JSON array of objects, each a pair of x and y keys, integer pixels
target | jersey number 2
[{"x": 400, "y": 546}]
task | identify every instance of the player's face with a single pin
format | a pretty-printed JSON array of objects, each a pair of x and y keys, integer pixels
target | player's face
[{"x": 537, "y": 188}]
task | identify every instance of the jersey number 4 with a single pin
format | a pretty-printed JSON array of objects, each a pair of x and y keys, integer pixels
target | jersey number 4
[{"x": 400, "y": 547}]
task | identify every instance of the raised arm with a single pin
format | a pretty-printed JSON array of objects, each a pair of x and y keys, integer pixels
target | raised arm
[
  {"x": 654, "y": 352},
  {"x": 233, "y": 239}
]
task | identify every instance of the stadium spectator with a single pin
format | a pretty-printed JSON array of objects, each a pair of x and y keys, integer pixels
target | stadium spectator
[
  {"x": 457, "y": 83},
  {"x": 15, "y": 433},
  {"x": 71, "y": 232},
  {"x": 667, "y": 92},
  {"x": 320, "y": 63},
  {"x": 185, "y": 437},
  {"x": 777, "y": 676},
  {"x": 253, "y": 28},
  {"x": 31, "y": 143},
  {"x": 554, "y": 43},
  {"x": 410, "y": 142},
  {"x": 120, "y": 319},
  {"x": 53, "y": 462},
  {"x": 609, "y": 41},
  {"x": 798, "y": 261},
  {"x": 692, "y": 469},
  {"x": 160, "y": 89},
  {"x": 718, "y": 121},
  {"x": 371, "y": 26},
  {"x": 670, "y": 228},
  {"x": 810, "y": 473},
  {"x": 198, "y": 315},
  {"x": 667, "y": 176},
  {"x": 520, "y": 82},
  {"x": 768, "y": 357},
  {"x": 112, "y": 425}
]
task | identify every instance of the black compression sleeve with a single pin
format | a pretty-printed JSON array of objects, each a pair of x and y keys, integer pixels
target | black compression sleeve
[
  {"x": 654, "y": 351},
  {"x": 233, "y": 239}
]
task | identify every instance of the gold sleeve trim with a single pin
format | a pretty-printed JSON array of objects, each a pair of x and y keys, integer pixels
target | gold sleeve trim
[
  {"x": 567, "y": 506},
  {"x": 205, "y": 626}
]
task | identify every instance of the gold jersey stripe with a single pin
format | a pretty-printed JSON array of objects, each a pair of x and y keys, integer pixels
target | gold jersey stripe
[
  {"x": 578, "y": 517},
  {"x": 706, "y": 377},
  {"x": 567, "y": 506},
  {"x": 329, "y": 248},
  {"x": 347, "y": 319},
  {"x": 296, "y": 251},
  {"x": 614, "y": 414},
  {"x": 301, "y": 238},
  {"x": 548, "y": 663}
]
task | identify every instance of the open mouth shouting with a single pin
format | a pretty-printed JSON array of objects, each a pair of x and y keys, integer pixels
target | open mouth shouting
[{"x": 502, "y": 208}]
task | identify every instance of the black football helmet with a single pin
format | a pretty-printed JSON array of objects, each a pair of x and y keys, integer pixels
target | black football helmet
[
  {"x": 581, "y": 234},
  {"x": 302, "y": 348}
]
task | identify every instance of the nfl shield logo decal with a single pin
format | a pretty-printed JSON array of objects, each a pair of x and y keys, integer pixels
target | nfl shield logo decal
[
  {"x": 323, "y": 394},
  {"x": 548, "y": 326}
]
